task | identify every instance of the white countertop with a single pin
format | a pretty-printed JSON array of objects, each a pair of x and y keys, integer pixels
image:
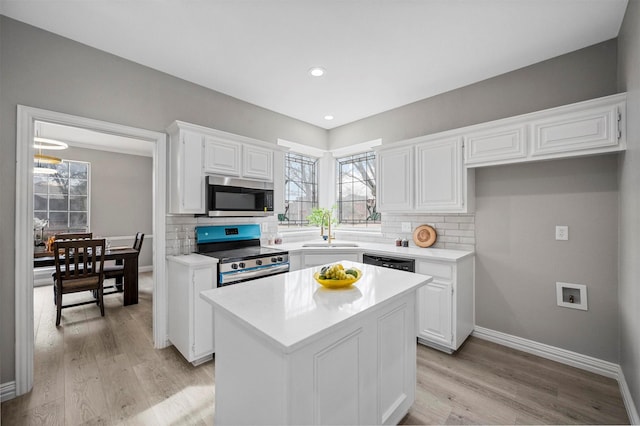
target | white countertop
[
  {"x": 388, "y": 249},
  {"x": 291, "y": 309},
  {"x": 193, "y": 259}
]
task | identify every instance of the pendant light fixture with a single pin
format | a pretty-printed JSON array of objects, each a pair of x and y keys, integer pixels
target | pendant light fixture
[{"x": 43, "y": 163}]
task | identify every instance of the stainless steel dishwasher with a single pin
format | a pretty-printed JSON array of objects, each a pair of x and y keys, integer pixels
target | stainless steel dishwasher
[{"x": 402, "y": 264}]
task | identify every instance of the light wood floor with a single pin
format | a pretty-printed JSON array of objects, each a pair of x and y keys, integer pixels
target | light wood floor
[{"x": 95, "y": 370}]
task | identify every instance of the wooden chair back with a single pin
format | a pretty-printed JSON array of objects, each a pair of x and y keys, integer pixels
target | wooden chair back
[
  {"x": 79, "y": 267},
  {"x": 137, "y": 244},
  {"x": 74, "y": 236}
]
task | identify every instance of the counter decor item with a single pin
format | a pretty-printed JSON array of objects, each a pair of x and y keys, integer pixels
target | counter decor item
[
  {"x": 424, "y": 236},
  {"x": 335, "y": 276}
]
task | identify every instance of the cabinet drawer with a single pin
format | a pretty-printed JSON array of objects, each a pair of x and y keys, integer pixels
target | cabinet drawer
[
  {"x": 437, "y": 270},
  {"x": 321, "y": 259}
]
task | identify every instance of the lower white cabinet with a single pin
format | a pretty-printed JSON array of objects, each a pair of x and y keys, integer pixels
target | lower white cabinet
[
  {"x": 329, "y": 255},
  {"x": 446, "y": 304},
  {"x": 190, "y": 317}
]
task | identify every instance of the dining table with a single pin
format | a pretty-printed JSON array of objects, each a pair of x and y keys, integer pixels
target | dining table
[{"x": 128, "y": 256}]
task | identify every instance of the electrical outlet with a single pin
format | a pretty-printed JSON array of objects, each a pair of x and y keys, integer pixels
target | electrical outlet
[
  {"x": 562, "y": 232},
  {"x": 406, "y": 226}
]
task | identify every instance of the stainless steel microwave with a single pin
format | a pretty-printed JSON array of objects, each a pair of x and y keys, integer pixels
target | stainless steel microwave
[{"x": 238, "y": 197}]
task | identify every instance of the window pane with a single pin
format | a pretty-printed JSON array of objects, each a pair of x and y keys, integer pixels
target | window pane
[
  {"x": 58, "y": 185},
  {"x": 78, "y": 170},
  {"x": 58, "y": 220},
  {"x": 78, "y": 204},
  {"x": 77, "y": 220},
  {"x": 40, "y": 184},
  {"x": 58, "y": 203},
  {"x": 62, "y": 169},
  {"x": 77, "y": 187},
  {"x": 300, "y": 190},
  {"x": 40, "y": 203}
]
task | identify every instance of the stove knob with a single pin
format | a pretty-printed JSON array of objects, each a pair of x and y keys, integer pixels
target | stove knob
[
  {"x": 258, "y": 262},
  {"x": 280, "y": 259},
  {"x": 234, "y": 266},
  {"x": 241, "y": 264},
  {"x": 274, "y": 260}
]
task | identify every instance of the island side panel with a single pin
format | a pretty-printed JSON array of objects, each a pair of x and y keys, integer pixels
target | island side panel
[
  {"x": 363, "y": 373},
  {"x": 250, "y": 376}
]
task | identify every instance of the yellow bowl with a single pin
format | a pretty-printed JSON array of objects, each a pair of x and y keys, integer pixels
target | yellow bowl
[{"x": 333, "y": 284}]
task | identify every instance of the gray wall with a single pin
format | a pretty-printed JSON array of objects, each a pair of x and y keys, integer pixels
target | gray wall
[
  {"x": 584, "y": 74},
  {"x": 121, "y": 196},
  {"x": 518, "y": 260},
  {"x": 629, "y": 286},
  {"x": 42, "y": 70},
  {"x": 515, "y": 283}
]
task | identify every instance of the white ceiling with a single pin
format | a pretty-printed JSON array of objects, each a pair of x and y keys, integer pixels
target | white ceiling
[{"x": 379, "y": 54}]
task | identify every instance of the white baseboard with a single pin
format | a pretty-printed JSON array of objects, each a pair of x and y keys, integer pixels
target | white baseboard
[
  {"x": 632, "y": 412},
  {"x": 7, "y": 391},
  {"x": 574, "y": 359}
]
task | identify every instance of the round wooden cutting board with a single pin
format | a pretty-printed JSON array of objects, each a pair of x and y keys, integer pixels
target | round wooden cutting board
[{"x": 424, "y": 236}]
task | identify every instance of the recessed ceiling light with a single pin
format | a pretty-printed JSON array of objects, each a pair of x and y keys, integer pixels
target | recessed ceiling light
[
  {"x": 317, "y": 71},
  {"x": 328, "y": 117}
]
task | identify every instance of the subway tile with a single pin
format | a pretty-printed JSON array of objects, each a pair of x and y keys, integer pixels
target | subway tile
[{"x": 459, "y": 233}]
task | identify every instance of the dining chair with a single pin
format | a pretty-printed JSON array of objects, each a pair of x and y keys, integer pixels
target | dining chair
[
  {"x": 79, "y": 267},
  {"x": 117, "y": 271}
]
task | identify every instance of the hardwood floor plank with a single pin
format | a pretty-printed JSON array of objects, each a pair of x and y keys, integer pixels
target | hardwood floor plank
[{"x": 104, "y": 371}]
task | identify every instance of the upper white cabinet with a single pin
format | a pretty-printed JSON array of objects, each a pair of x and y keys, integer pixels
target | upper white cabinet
[
  {"x": 222, "y": 157},
  {"x": 230, "y": 158},
  {"x": 257, "y": 163},
  {"x": 424, "y": 174},
  {"x": 585, "y": 128},
  {"x": 441, "y": 179},
  {"x": 186, "y": 179},
  {"x": 195, "y": 151},
  {"x": 395, "y": 179}
]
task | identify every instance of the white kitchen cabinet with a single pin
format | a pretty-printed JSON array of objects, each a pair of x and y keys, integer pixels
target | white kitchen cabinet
[
  {"x": 441, "y": 179},
  {"x": 295, "y": 261},
  {"x": 329, "y": 255},
  {"x": 186, "y": 184},
  {"x": 585, "y": 128},
  {"x": 190, "y": 317},
  {"x": 222, "y": 156},
  {"x": 257, "y": 163},
  {"x": 504, "y": 143},
  {"x": 446, "y": 305},
  {"x": 229, "y": 158},
  {"x": 395, "y": 179}
]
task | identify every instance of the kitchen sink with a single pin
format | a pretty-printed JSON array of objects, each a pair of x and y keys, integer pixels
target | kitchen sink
[{"x": 334, "y": 244}]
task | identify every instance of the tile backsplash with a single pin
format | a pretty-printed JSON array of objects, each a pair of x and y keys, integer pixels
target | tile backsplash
[{"x": 455, "y": 231}]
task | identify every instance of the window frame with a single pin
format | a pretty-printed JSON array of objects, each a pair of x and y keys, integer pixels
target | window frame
[
  {"x": 365, "y": 225},
  {"x": 314, "y": 163},
  {"x": 68, "y": 194}
]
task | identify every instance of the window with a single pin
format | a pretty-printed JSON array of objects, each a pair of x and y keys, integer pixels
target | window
[
  {"x": 63, "y": 198},
  {"x": 300, "y": 189},
  {"x": 357, "y": 191}
]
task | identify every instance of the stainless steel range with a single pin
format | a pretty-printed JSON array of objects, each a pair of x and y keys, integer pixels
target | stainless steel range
[{"x": 240, "y": 256}]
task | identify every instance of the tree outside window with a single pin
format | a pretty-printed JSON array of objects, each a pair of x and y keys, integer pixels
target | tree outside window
[
  {"x": 357, "y": 191},
  {"x": 301, "y": 190}
]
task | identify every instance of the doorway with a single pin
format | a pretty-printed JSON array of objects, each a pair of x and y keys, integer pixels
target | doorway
[{"x": 26, "y": 119}]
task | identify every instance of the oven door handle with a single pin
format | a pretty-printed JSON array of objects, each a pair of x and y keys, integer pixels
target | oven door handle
[{"x": 254, "y": 273}]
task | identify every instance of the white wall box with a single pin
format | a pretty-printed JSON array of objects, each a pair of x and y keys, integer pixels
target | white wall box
[
  {"x": 446, "y": 305},
  {"x": 395, "y": 179},
  {"x": 190, "y": 317},
  {"x": 186, "y": 179},
  {"x": 572, "y": 296},
  {"x": 585, "y": 128}
]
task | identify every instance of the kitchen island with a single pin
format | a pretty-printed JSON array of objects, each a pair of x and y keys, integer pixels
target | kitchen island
[{"x": 289, "y": 351}]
